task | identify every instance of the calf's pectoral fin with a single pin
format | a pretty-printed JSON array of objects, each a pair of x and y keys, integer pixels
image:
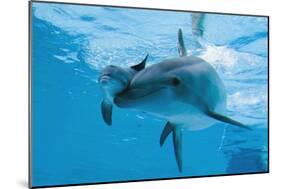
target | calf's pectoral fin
[
  {"x": 226, "y": 119},
  {"x": 106, "y": 109}
]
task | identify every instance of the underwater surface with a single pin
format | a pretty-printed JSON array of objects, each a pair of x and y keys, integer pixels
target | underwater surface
[{"x": 71, "y": 144}]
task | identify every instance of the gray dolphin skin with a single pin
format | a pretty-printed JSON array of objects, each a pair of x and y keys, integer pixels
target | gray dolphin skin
[
  {"x": 185, "y": 91},
  {"x": 113, "y": 80}
]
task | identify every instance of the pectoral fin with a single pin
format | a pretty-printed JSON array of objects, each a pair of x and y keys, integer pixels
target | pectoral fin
[
  {"x": 225, "y": 119},
  {"x": 165, "y": 133},
  {"x": 106, "y": 109},
  {"x": 177, "y": 140}
]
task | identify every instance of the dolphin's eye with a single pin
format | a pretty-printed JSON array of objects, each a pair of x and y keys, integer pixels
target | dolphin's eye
[{"x": 175, "y": 81}]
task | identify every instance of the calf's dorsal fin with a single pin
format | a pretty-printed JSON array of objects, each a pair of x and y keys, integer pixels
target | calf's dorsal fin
[{"x": 141, "y": 65}]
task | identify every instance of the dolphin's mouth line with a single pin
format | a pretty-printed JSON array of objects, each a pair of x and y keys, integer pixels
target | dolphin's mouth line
[
  {"x": 107, "y": 76},
  {"x": 104, "y": 77},
  {"x": 110, "y": 76},
  {"x": 133, "y": 98},
  {"x": 152, "y": 92}
]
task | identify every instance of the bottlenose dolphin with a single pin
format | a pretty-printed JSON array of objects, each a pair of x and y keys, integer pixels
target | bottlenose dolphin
[
  {"x": 113, "y": 80},
  {"x": 186, "y": 91}
]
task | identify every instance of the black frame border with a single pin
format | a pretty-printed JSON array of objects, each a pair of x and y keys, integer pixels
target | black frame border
[{"x": 142, "y": 8}]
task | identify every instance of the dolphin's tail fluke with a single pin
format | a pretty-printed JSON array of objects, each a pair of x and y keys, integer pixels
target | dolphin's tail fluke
[
  {"x": 181, "y": 46},
  {"x": 197, "y": 20},
  {"x": 177, "y": 141}
]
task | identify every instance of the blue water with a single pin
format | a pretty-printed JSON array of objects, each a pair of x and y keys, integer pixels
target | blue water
[{"x": 71, "y": 144}]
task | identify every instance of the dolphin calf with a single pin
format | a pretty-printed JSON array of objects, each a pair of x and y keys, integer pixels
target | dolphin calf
[
  {"x": 113, "y": 80},
  {"x": 185, "y": 91}
]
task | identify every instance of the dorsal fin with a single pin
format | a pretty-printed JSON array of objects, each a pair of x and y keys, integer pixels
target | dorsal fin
[
  {"x": 141, "y": 65},
  {"x": 181, "y": 47}
]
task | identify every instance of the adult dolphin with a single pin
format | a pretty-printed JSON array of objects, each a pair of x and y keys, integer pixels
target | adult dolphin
[
  {"x": 186, "y": 91},
  {"x": 113, "y": 80}
]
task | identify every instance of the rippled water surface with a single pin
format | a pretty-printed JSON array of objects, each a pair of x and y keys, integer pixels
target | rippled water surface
[{"x": 71, "y": 144}]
